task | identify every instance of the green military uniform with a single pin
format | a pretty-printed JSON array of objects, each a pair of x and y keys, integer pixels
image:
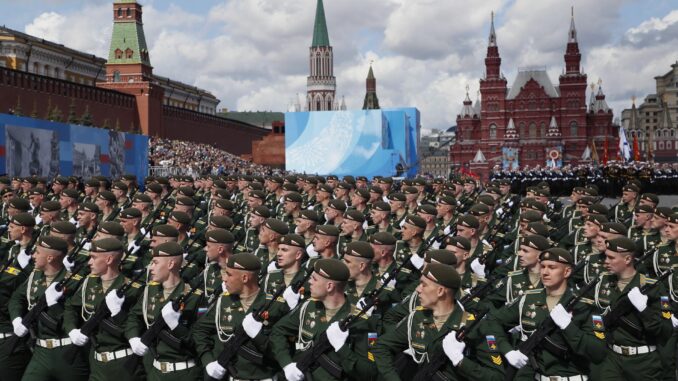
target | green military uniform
[
  {"x": 52, "y": 340},
  {"x": 175, "y": 361},
  {"x": 109, "y": 349}
]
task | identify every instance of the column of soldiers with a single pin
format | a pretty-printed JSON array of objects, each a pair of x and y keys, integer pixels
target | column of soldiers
[{"x": 321, "y": 278}]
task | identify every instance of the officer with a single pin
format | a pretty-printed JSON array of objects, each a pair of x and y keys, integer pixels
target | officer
[
  {"x": 165, "y": 286},
  {"x": 633, "y": 339},
  {"x": 349, "y": 356},
  {"x": 218, "y": 248},
  {"x": 233, "y": 312},
  {"x": 430, "y": 330},
  {"x": 109, "y": 346},
  {"x": 51, "y": 338},
  {"x": 568, "y": 352}
]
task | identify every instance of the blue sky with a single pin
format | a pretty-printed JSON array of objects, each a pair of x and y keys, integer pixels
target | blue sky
[{"x": 252, "y": 53}]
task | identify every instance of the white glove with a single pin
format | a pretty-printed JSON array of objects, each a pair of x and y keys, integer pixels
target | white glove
[
  {"x": 638, "y": 299},
  {"x": 68, "y": 264},
  {"x": 133, "y": 247},
  {"x": 87, "y": 246},
  {"x": 674, "y": 321},
  {"x": 171, "y": 316},
  {"x": 436, "y": 245},
  {"x": 114, "y": 303},
  {"x": 560, "y": 316},
  {"x": 311, "y": 251},
  {"x": 447, "y": 230},
  {"x": 365, "y": 225},
  {"x": 23, "y": 259},
  {"x": 19, "y": 329},
  {"x": 336, "y": 336},
  {"x": 417, "y": 261},
  {"x": 73, "y": 221},
  {"x": 499, "y": 211},
  {"x": 478, "y": 268},
  {"x": 291, "y": 297},
  {"x": 251, "y": 326},
  {"x": 516, "y": 358},
  {"x": 292, "y": 373},
  {"x": 52, "y": 295},
  {"x": 143, "y": 232},
  {"x": 137, "y": 346},
  {"x": 402, "y": 223},
  {"x": 272, "y": 266},
  {"x": 215, "y": 370},
  {"x": 38, "y": 220},
  {"x": 361, "y": 304},
  {"x": 77, "y": 337},
  {"x": 454, "y": 349}
]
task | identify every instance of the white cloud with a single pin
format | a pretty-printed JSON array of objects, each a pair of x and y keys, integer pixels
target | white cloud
[{"x": 252, "y": 54}]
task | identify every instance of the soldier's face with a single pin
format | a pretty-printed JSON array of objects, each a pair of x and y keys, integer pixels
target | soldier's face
[
  {"x": 396, "y": 205},
  {"x": 429, "y": 292},
  {"x": 460, "y": 254},
  {"x": 287, "y": 255},
  {"x": 14, "y": 231},
  {"x": 119, "y": 193},
  {"x": 504, "y": 189},
  {"x": 319, "y": 286},
  {"x": 553, "y": 273},
  {"x": 528, "y": 256},
  {"x": 128, "y": 224},
  {"x": 160, "y": 268},
  {"x": 616, "y": 262},
  {"x": 658, "y": 222},
  {"x": 157, "y": 240},
  {"x": 628, "y": 196},
  {"x": 41, "y": 257},
  {"x": 84, "y": 217},
  {"x": 355, "y": 265},
  {"x": 642, "y": 218},
  {"x": 466, "y": 232},
  {"x": 378, "y": 216},
  {"x": 671, "y": 230},
  {"x": 590, "y": 229},
  {"x": 290, "y": 206},
  {"x": 255, "y": 221},
  {"x": 48, "y": 217},
  {"x": 320, "y": 242},
  {"x": 468, "y": 188},
  {"x": 35, "y": 199},
  {"x": 183, "y": 208},
  {"x": 212, "y": 250},
  {"x": 98, "y": 262},
  {"x": 349, "y": 226},
  {"x": 265, "y": 235},
  {"x": 409, "y": 231},
  {"x": 303, "y": 225}
]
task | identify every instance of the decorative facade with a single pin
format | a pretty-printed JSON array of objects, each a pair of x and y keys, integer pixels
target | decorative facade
[
  {"x": 321, "y": 83},
  {"x": 371, "y": 100},
  {"x": 533, "y": 122}
]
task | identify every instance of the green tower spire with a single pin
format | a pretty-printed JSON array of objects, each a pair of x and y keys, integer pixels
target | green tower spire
[
  {"x": 128, "y": 42},
  {"x": 320, "y": 35}
]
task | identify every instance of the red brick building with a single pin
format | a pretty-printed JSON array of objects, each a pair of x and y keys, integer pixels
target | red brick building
[{"x": 532, "y": 122}]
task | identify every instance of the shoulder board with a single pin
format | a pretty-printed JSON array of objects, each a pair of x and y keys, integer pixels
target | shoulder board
[
  {"x": 534, "y": 291},
  {"x": 76, "y": 277},
  {"x": 648, "y": 281},
  {"x": 420, "y": 308},
  {"x": 225, "y": 293},
  {"x": 514, "y": 273},
  {"x": 13, "y": 270},
  {"x": 152, "y": 283},
  {"x": 92, "y": 276},
  {"x": 197, "y": 292},
  {"x": 137, "y": 285},
  {"x": 586, "y": 300}
]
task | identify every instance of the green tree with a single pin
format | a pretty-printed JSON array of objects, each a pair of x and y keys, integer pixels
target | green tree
[
  {"x": 72, "y": 118},
  {"x": 17, "y": 109},
  {"x": 86, "y": 118}
]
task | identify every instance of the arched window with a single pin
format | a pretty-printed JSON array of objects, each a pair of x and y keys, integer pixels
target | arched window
[
  {"x": 668, "y": 145},
  {"x": 533, "y": 130},
  {"x": 118, "y": 54},
  {"x": 661, "y": 145},
  {"x": 129, "y": 12},
  {"x": 521, "y": 127},
  {"x": 317, "y": 64},
  {"x": 493, "y": 131},
  {"x": 573, "y": 128},
  {"x": 116, "y": 76},
  {"x": 119, "y": 12},
  {"x": 542, "y": 129},
  {"x": 129, "y": 53}
]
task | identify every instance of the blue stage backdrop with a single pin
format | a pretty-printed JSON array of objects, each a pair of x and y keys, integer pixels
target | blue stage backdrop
[
  {"x": 38, "y": 147},
  {"x": 359, "y": 143}
]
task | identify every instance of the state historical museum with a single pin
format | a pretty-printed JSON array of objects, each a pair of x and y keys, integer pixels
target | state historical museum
[{"x": 534, "y": 122}]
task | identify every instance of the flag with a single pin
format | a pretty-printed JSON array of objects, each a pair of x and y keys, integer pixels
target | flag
[
  {"x": 636, "y": 148},
  {"x": 605, "y": 152},
  {"x": 594, "y": 152},
  {"x": 624, "y": 151},
  {"x": 587, "y": 153}
]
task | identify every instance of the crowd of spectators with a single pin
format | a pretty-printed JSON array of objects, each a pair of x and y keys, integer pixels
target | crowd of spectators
[{"x": 196, "y": 159}]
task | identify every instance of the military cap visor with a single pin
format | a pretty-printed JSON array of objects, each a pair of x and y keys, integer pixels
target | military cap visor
[
  {"x": 53, "y": 243},
  {"x": 360, "y": 249},
  {"x": 557, "y": 254},
  {"x": 105, "y": 245},
  {"x": 168, "y": 249},
  {"x": 292, "y": 240},
  {"x": 382, "y": 238},
  {"x": 220, "y": 236},
  {"x": 621, "y": 245},
  {"x": 332, "y": 269}
]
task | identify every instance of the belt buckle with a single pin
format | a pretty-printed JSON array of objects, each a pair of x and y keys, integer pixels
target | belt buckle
[
  {"x": 163, "y": 367},
  {"x": 104, "y": 357},
  {"x": 49, "y": 344},
  {"x": 554, "y": 378},
  {"x": 626, "y": 351}
]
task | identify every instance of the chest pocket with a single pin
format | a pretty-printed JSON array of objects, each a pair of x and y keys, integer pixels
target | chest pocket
[
  {"x": 531, "y": 313},
  {"x": 230, "y": 314}
]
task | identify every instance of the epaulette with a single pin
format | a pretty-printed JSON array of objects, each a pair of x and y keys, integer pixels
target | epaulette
[
  {"x": 76, "y": 277},
  {"x": 136, "y": 285},
  {"x": 12, "y": 270},
  {"x": 516, "y": 272},
  {"x": 197, "y": 292},
  {"x": 420, "y": 308},
  {"x": 225, "y": 293},
  {"x": 646, "y": 280},
  {"x": 534, "y": 291},
  {"x": 152, "y": 283},
  {"x": 586, "y": 300}
]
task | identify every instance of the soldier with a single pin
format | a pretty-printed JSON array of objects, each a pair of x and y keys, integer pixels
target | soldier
[
  {"x": 255, "y": 219},
  {"x": 460, "y": 247},
  {"x": 642, "y": 232},
  {"x": 446, "y": 213},
  {"x": 324, "y": 244},
  {"x": 49, "y": 212},
  {"x": 632, "y": 341},
  {"x": 288, "y": 262},
  {"x": 291, "y": 207},
  {"x": 106, "y": 202},
  {"x": 432, "y": 235},
  {"x": 269, "y": 238},
  {"x": 51, "y": 339},
  {"x": 351, "y": 229},
  {"x": 60, "y": 183},
  {"x": 380, "y": 215},
  {"x": 133, "y": 263},
  {"x": 349, "y": 355},
  {"x": 66, "y": 231},
  {"x": 91, "y": 190},
  {"x": 359, "y": 200},
  {"x": 87, "y": 220},
  {"x": 69, "y": 205},
  {"x": 120, "y": 190},
  {"x": 322, "y": 199},
  {"x": 218, "y": 248},
  {"x": 305, "y": 226},
  {"x": 623, "y": 211},
  {"x": 169, "y": 362},
  {"x": 334, "y": 213},
  {"x": 16, "y": 268},
  {"x": 430, "y": 330},
  {"x": 110, "y": 348},
  {"x": 568, "y": 352},
  {"x": 36, "y": 197},
  {"x": 233, "y": 310},
  {"x": 398, "y": 210}
]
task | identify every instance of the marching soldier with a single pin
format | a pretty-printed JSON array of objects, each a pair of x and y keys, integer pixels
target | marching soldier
[
  {"x": 51, "y": 338},
  {"x": 110, "y": 349},
  {"x": 349, "y": 356},
  {"x": 232, "y": 312},
  {"x": 87, "y": 220},
  {"x": 431, "y": 330},
  {"x": 623, "y": 211},
  {"x": 269, "y": 238},
  {"x": 169, "y": 362},
  {"x": 255, "y": 219},
  {"x": 289, "y": 270},
  {"x": 69, "y": 205},
  {"x": 218, "y": 248},
  {"x": 578, "y": 341},
  {"x": 106, "y": 202},
  {"x": 351, "y": 229}
]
